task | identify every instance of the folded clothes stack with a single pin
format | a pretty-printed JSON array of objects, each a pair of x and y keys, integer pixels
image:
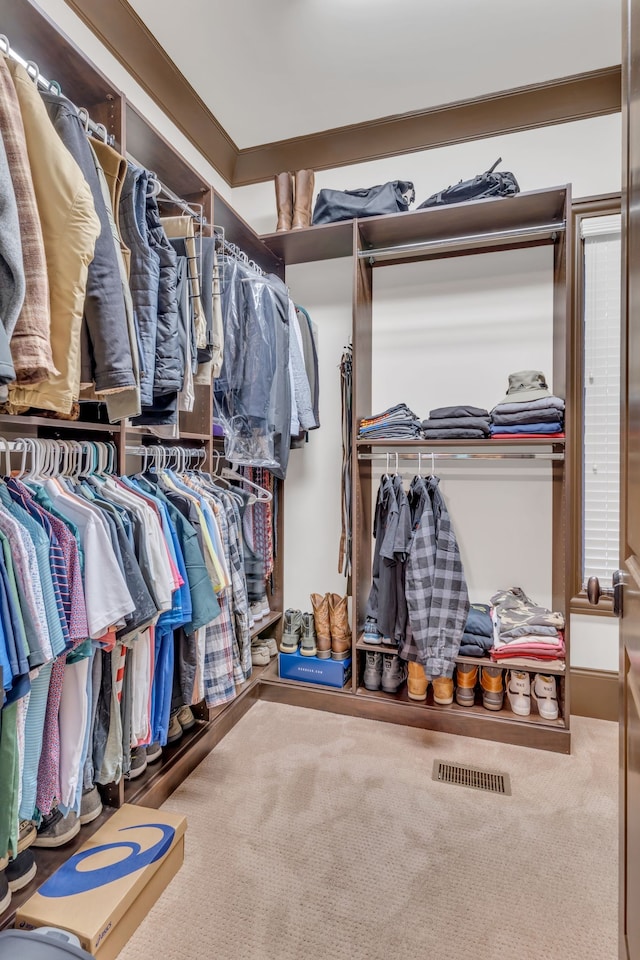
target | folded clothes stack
[
  {"x": 396, "y": 423},
  {"x": 477, "y": 639},
  {"x": 528, "y": 410},
  {"x": 522, "y": 628},
  {"x": 457, "y": 423}
]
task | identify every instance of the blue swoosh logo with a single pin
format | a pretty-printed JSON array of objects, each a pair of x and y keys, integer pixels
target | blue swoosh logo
[{"x": 69, "y": 881}]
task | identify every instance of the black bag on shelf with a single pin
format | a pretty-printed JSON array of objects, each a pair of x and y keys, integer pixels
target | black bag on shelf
[
  {"x": 392, "y": 197},
  {"x": 493, "y": 183}
]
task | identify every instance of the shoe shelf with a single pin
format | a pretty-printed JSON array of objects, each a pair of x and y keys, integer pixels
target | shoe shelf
[
  {"x": 261, "y": 625},
  {"x": 361, "y": 644},
  {"x": 477, "y": 710},
  {"x": 518, "y": 663}
]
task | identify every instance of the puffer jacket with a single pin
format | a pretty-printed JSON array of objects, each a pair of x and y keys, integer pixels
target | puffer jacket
[{"x": 169, "y": 374}]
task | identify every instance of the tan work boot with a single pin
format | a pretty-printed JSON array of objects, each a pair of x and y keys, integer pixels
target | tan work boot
[
  {"x": 492, "y": 688},
  {"x": 340, "y": 629},
  {"x": 442, "y": 690},
  {"x": 284, "y": 200},
  {"x": 321, "y": 619},
  {"x": 467, "y": 676},
  {"x": 305, "y": 181},
  {"x": 417, "y": 682}
]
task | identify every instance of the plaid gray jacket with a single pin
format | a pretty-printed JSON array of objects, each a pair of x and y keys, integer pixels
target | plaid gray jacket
[{"x": 435, "y": 585}]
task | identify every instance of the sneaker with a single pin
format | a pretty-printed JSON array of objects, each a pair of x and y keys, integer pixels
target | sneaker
[
  {"x": 266, "y": 609},
  {"x": 5, "y": 892},
  {"x": 186, "y": 718},
  {"x": 417, "y": 682},
  {"x": 371, "y": 632},
  {"x": 271, "y": 645},
  {"x": 467, "y": 677},
  {"x": 56, "y": 830},
  {"x": 90, "y": 805},
  {"x": 291, "y": 631},
  {"x": 492, "y": 688},
  {"x": 372, "y": 676},
  {"x": 543, "y": 694},
  {"x": 154, "y": 752},
  {"x": 394, "y": 672},
  {"x": 138, "y": 762},
  {"x": 519, "y": 693},
  {"x": 442, "y": 690},
  {"x": 255, "y": 610},
  {"x": 21, "y": 871},
  {"x": 259, "y": 654},
  {"x": 308, "y": 647},
  {"x": 27, "y": 834},
  {"x": 175, "y": 731}
]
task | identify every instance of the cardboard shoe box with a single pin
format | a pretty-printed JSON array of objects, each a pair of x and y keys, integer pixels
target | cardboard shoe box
[
  {"x": 105, "y": 890},
  {"x": 328, "y": 673}
]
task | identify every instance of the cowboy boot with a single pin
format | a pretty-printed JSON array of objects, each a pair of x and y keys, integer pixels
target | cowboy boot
[
  {"x": 303, "y": 197},
  {"x": 340, "y": 629},
  {"x": 320, "y": 606},
  {"x": 284, "y": 200}
]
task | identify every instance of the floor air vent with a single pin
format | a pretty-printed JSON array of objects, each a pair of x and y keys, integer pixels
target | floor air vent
[{"x": 489, "y": 780}]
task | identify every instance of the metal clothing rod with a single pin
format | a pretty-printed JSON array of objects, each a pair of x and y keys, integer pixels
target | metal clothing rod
[
  {"x": 235, "y": 252},
  {"x": 52, "y": 86},
  {"x": 170, "y": 196},
  {"x": 472, "y": 239},
  {"x": 394, "y": 457}
]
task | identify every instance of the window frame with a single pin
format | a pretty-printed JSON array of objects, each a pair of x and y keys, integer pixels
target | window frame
[{"x": 586, "y": 208}]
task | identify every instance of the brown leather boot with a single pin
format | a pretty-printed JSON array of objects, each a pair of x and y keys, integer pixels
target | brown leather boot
[
  {"x": 340, "y": 629},
  {"x": 305, "y": 180},
  {"x": 321, "y": 619},
  {"x": 467, "y": 676},
  {"x": 284, "y": 200},
  {"x": 417, "y": 682},
  {"x": 442, "y": 690}
]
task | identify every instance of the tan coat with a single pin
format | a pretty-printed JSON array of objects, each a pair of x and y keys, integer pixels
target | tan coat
[
  {"x": 70, "y": 228},
  {"x": 31, "y": 338}
]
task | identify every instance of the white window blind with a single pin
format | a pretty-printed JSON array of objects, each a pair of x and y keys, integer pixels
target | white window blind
[{"x": 601, "y": 489}]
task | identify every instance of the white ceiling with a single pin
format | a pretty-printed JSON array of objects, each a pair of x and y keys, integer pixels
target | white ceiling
[{"x": 273, "y": 69}]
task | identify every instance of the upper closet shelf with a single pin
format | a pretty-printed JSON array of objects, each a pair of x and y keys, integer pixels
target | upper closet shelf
[{"x": 528, "y": 218}]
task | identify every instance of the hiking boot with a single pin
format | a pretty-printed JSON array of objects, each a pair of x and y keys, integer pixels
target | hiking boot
[
  {"x": 5, "y": 892},
  {"x": 21, "y": 871},
  {"x": 186, "y": 718},
  {"x": 27, "y": 834},
  {"x": 394, "y": 672},
  {"x": 467, "y": 677},
  {"x": 154, "y": 752},
  {"x": 340, "y": 629},
  {"x": 543, "y": 694},
  {"x": 308, "y": 646},
  {"x": 291, "y": 631},
  {"x": 56, "y": 830},
  {"x": 442, "y": 690},
  {"x": 138, "y": 762},
  {"x": 90, "y": 805},
  {"x": 371, "y": 632},
  {"x": 519, "y": 692},
  {"x": 259, "y": 654},
  {"x": 492, "y": 688},
  {"x": 417, "y": 682},
  {"x": 372, "y": 676},
  {"x": 175, "y": 731}
]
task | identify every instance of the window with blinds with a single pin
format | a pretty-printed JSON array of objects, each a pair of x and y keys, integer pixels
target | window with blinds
[{"x": 601, "y": 400}]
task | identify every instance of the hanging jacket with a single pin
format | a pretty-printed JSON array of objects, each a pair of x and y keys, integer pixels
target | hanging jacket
[
  {"x": 105, "y": 315},
  {"x": 70, "y": 228},
  {"x": 168, "y": 375},
  {"x": 31, "y": 341},
  {"x": 12, "y": 280},
  {"x": 144, "y": 279}
]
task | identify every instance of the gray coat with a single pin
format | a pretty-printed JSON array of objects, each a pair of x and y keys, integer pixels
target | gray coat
[{"x": 12, "y": 279}]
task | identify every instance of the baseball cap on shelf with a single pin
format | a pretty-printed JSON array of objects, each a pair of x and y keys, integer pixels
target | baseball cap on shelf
[{"x": 526, "y": 385}]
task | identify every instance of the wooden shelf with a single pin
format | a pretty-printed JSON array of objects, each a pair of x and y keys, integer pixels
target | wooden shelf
[
  {"x": 518, "y": 663},
  {"x": 52, "y": 423},
  {"x": 361, "y": 644},
  {"x": 324, "y": 242},
  {"x": 465, "y": 444},
  {"x": 477, "y": 711},
  {"x": 261, "y": 625}
]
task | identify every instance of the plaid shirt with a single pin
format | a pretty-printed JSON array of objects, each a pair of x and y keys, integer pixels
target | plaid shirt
[{"x": 435, "y": 585}]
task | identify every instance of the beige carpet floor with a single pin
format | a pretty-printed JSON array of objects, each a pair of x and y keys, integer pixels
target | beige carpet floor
[{"x": 318, "y": 837}]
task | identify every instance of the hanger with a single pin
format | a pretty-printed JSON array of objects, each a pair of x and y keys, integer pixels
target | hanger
[{"x": 264, "y": 496}]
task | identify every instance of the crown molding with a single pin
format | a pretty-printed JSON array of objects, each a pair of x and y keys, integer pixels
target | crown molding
[{"x": 126, "y": 36}]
